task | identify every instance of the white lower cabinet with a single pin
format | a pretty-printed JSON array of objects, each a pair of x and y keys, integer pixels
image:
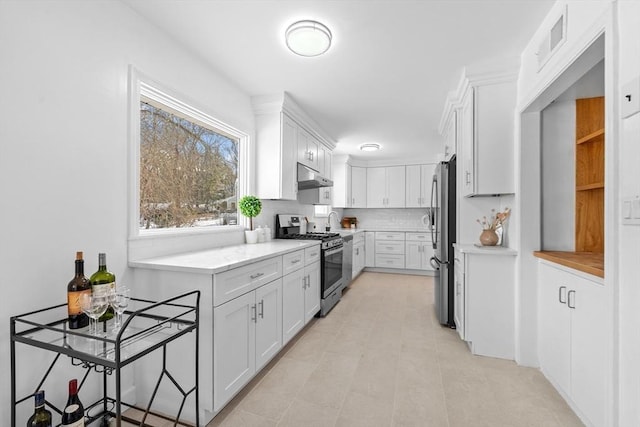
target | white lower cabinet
[
  {"x": 300, "y": 297},
  {"x": 248, "y": 333},
  {"x": 484, "y": 300},
  {"x": 572, "y": 325},
  {"x": 359, "y": 254},
  {"x": 418, "y": 251},
  {"x": 389, "y": 249},
  {"x": 369, "y": 249}
]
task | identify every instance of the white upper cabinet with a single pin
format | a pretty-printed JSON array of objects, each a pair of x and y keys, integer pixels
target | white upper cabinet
[
  {"x": 386, "y": 187},
  {"x": 308, "y": 149},
  {"x": 286, "y": 135},
  {"x": 358, "y": 187},
  {"x": 341, "y": 183},
  {"x": 478, "y": 125},
  {"x": 418, "y": 185},
  {"x": 487, "y": 139}
]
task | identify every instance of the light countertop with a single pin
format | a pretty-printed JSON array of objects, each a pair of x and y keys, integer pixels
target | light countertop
[
  {"x": 224, "y": 258},
  {"x": 485, "y": 250},
  {"x": 344, "y": 231}
]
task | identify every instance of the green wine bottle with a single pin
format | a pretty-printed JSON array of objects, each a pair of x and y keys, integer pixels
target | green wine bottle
[
  {"x": 41, "y": 416},
  {"x": 103, "y": 282}
]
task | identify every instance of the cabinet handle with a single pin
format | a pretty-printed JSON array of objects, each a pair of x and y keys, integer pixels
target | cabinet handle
[
  {"x": 262, "y": 308},
  {"x": 468, "y": 177},
  {"x": 295, "y": 261},
  {"x": 255, "y": 276},
  {"x": 561, "y": 293},
  {"x": 571, "y": 292},
  {"x": 254, "y": 317}
]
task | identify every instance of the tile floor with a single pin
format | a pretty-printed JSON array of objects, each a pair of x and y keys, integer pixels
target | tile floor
[{"x": 381, "y": 359}]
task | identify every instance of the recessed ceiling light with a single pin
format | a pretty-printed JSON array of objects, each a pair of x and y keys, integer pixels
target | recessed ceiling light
[
  {"x": 370, "y": 146},
  {"x": 308, "y": 38}
]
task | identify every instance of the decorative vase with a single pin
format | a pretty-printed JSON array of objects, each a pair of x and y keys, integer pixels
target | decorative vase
[
  {"x": 251, "y": 236},
  {"x": 488, "y": 237}
]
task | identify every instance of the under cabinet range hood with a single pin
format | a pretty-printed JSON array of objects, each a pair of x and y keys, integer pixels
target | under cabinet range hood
[{"x": 308, "y": 178}]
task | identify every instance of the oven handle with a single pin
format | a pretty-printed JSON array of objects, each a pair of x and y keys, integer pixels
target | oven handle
[{"x": 333, "y": 251}]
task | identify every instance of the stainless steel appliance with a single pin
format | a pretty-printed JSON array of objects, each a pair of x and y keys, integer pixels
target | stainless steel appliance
[
  {"x": 443, "y": 235},
  {"x": 331, "y": 251},
  {"x": 347, "y": 260},
  {"x": 309, "y": 178}
]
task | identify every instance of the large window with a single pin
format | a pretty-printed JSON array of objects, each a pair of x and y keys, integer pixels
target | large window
[{"x": 188, "y": 166}]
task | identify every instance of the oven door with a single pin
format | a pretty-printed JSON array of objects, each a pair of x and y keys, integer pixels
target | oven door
[{"x": 331, "y": 270}]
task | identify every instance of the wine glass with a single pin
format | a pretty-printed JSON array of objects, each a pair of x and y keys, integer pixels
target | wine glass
[
  {"x": 94, "y": 306},
  {"x": 119, "y": 300}
]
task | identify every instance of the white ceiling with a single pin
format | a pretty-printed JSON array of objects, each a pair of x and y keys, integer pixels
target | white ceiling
[{"x": 385, "y": 78}]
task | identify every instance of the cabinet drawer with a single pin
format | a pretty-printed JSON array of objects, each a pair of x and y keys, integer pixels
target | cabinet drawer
[
  {"x": 389, "y": 247},
  {"x": 389, "y": 235},
  {"x": 238, "y": 281},
  {"x": 418, "y": 237},
  {"x": 292, "y": 261},
  {"x": 390, "y": 261},
  {"x": 311, "y": 255}
]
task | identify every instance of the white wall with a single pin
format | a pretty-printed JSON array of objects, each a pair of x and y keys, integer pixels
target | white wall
[
  {"x": 628, "y": 176},
  {"x": 63, "y": 147}
]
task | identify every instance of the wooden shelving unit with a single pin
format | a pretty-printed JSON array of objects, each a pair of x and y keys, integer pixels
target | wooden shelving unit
[{"x": 589, "y": 231}]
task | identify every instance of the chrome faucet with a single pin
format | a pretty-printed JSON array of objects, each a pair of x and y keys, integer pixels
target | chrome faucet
[{"x": 328, "y": 228}]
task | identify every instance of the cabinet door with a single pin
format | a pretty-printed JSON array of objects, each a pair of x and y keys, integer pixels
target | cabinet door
[
  {"x": 466, "y": 132},
  {"x": 370, "y": 249},
  {"x": 414, "y": 186},
  {"x": 413, "y": 255},
  {"x": 269, "y": 322},
  {"x": 234, "y": 347},
  {"x": 395, "y": 186},
  {"x": 328, "y": 164},
  {"x": 459, "y": 295},
  {"x": 554, "y": 325},
  {"x": 359, "y": 187},
  {"x": 292, "y": 304},
  {"x": 312, "y": 291},
  {"x": 322, "y": 160},
  {"x": 307, "y": 149},
  {"x": 588, "y": 350},
  {"x": 426, "y": 177},
  {"x": 325, "y": 195},
  {"x": 358, "y": 259},
  {"x": 289, "y": 167},
  {"x": 427, "y": 253},
  {"x": 376, "y": 187}
]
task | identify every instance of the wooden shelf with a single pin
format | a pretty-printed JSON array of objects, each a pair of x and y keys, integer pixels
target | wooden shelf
[
  {"x": 593, "y": 186},
  {"x": 587, "y": 262},
  {"x": 591, "y": 136}
]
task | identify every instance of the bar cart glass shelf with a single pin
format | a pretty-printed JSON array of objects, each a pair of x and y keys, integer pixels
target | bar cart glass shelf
[{"x": 151, "y": 326}]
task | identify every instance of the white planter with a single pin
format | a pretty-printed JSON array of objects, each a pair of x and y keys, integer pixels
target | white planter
[{"x": 251, "y": 236}]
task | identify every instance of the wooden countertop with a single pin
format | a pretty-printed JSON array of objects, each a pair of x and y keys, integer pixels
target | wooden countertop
[{"x": 587, "y": 262}]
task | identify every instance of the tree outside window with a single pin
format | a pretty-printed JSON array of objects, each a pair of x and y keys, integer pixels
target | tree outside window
[{"x": 188, "y": 172}]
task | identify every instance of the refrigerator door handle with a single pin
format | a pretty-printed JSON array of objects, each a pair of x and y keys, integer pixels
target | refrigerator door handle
[
  {"x": 434, "y": 263},
  {"x": 434, "y": 212}
]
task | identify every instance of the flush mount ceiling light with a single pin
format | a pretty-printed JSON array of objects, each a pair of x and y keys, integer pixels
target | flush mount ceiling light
[
  {"x": 308, "y": 38},
  {"x": 370, "y": 146}
]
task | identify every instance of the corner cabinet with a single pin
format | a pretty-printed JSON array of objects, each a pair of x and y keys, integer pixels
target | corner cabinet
[
  {"x": 573, "y": 339},
  {"x": 486, "y": 138}
]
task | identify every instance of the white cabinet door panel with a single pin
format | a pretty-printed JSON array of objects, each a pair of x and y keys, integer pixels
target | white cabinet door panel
[
  {"x": 376, "y": 187},
  {"x": 269, "y": 322},
  {"x": 312, "y": 291},
  {"x": 358, "y": 187},
  {"x": 588, "y": 353},
  {"x": 555, "y": 327},
  {"x": 234, "y": 352},
  {"x": 292, "y": 304}
]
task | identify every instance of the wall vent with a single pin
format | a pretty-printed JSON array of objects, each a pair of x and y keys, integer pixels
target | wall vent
[{"x": 553, "y": 39}]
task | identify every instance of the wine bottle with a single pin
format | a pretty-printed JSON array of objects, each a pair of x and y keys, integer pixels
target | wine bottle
[
  {"x": 78, "y": 286},
  {"x": 41, "y": 416},
  {"x": 73, "y": 415},
  {"x": 103, "y": 282}
]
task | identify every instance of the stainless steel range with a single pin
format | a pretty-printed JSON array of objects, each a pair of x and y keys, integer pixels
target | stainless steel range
[{"x": 288, "y": 227}]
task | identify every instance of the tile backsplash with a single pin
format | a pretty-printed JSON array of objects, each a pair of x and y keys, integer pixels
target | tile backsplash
[{"x": 392, "y": 218}]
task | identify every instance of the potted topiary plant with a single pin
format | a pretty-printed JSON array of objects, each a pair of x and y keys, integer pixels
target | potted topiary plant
[{"x": 250, "y": 206}]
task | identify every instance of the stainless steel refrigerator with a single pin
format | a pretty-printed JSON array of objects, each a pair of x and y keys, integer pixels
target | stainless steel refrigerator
[{"x": 443, "y": 236}]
